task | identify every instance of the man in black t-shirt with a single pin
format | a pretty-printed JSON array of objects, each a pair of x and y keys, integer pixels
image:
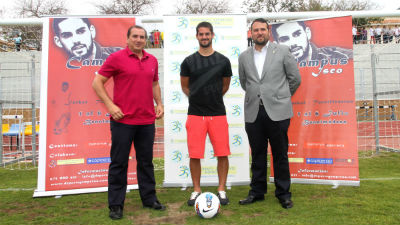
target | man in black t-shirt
[{"x": 205, "y": 78}]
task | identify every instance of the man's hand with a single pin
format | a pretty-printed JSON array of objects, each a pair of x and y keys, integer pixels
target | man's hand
[
  {"x": 159, "y": 111},
  {"x": 115, "y": 112}
]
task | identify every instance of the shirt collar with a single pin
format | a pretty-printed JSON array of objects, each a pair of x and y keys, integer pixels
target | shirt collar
[
  {"x": 264, "y": 49},
  {"x": 130, "y": 53}
]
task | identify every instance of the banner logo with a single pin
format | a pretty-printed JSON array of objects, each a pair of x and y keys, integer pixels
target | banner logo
[
  {"x": 237, "y": 111},
  {"x": 176, "y": 156},
  {"x": 319, "y": 161},
  {"x": 215, "y": 39},
  {"x": 176, "y": 67},
  {"x": 176, "y": 97},
  {"x": 183, "y": 171},
  {"x": 98, "y": 160},
  {"x": 237, "y": 140},
  {"x": 182, "y": 23},
  {"x": 235, "y": 81},
  {"x": 212, "y": 154},
  {"x": 176, "y": 126},
  {"x": 235, "y": 52},
  {"x": 176, "y": 38}
]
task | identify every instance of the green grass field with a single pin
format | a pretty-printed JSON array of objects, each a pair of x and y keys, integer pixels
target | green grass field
[{"x": 376, "y": 201}]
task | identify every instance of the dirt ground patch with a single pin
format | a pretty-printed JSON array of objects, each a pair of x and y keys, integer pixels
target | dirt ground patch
[
  {"x": 319, "y": 196},
  {"x": 175, "y": 216}
]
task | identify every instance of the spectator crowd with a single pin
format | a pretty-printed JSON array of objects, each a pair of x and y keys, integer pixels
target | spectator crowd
[{"x": 376, "y": 35}]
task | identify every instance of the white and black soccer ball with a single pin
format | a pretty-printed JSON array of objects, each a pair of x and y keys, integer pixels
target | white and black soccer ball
[{"x": 207, "y": 205}]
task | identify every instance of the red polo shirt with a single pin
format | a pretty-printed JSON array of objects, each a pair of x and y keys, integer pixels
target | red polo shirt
[{"x": 133, "y": 85}]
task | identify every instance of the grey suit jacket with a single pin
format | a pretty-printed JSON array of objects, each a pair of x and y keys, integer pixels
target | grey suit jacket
[{"x": 279, "y": 80}]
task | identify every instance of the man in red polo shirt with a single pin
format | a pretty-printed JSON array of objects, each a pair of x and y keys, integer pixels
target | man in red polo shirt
[{"x": 135, "y": 74}]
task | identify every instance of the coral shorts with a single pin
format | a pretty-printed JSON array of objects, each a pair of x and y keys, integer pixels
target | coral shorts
[{"x": 197, "y": 128}]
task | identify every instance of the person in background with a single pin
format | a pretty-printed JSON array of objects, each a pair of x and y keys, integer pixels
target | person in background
[
  {"x": 378, "y": 34},
  {"x": 249, "y": 40},
  {"x": 372, "y": 35},
  {"x": 364, "y": 35},
  {"x": 17, "y": 41},
  {"x": 354, "y": 32}
]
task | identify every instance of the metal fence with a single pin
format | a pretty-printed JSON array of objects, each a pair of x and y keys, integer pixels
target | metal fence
[
  {"x": 19, "y": 107},
  {"x": 377, "y": 88}
]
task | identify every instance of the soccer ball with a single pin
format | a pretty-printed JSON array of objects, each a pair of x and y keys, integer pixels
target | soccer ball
[{"x": 207, "y": 205}]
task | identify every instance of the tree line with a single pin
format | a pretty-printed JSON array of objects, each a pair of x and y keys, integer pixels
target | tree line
[{"x": 40, "y": 8}]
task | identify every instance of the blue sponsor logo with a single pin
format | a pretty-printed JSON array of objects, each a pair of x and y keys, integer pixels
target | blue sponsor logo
[
  {"x": 215, "y": 39},
  {"x": 212, "y": 154},
  {"x": 176, "y": 67},
  {"x": 176, "y": 96},
  {"x": 98, "y": 160},
  {"x": 235, "y": 81},
  {"x": 235, "y": 52},
  {"x": 176, "y": 38},
  {"x": 237, "y": 111},
  {"x": 176, "y": 126},
  {"x": 182, "y": 22},
  {"x": 176, "y": 156},
  {"x": 184, "y": 171},
  {"x": 319, "y": 161},
  {"x": 237, "y": 140}
]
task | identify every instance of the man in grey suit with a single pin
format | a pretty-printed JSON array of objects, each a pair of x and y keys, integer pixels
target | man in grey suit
[{"x": 269, "y": 75}]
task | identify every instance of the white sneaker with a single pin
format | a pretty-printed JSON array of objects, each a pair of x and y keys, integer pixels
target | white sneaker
[
  {"x": 193, "y": 198},
  {"x": 223, "y": 199}
]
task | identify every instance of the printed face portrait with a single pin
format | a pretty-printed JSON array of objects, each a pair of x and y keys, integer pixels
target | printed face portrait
[
  {"x": 260, "y": 33},
  {"x": 296, "y": 38},
  {"x": 137, "y": 39},
  {"x": 204, "y": 36},
  {"x": 75, "y": 37}
]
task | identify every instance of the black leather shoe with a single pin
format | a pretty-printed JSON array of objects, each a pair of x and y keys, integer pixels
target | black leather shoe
[
  {"x": 115, "y": 212},
  {"x": 286, "y": 203},
  {"x": 156, "y": 206},
  {"x": 251, "y": 199}
]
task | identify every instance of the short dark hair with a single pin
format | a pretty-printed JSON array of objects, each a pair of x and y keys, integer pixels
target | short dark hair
[
  {"x": 137, "y": 27},
  {"x": 260, "y": 20},
  {"x": 275, "y": 26},
  {"x": 206, "y": 25},
  {"x": 57, "y": 21}
]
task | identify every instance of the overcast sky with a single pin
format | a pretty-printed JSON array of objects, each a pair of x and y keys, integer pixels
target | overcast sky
[{"x": 86, "y": 7}]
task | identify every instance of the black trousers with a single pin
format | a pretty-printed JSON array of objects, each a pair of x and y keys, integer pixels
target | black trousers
[
  {"x": 259, "y": 133},
  {"x": 122, "y": 136}
]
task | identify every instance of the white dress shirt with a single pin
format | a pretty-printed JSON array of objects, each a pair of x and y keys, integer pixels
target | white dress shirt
[{"x": 259, "y": 58}]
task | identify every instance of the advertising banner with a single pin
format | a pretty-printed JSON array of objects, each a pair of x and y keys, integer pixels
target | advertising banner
[
  {"x": 323, "y": 131},
  {"x": 180, "y": 42},
  {"x": 74, "y": 151}
]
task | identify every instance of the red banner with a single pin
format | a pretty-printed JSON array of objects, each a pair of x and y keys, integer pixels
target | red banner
[
  {"x": 323, "y": 130},
  {"x": 78, "y": 131}
]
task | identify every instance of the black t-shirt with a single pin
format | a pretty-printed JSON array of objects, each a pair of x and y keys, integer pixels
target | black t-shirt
[{"x": 205, "y": 83}]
